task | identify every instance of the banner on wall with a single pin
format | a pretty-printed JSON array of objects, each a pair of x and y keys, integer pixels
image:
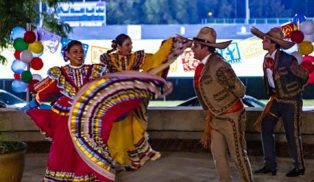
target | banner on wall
[
  {"x": 81, "y": 13},
  {"x": 245, "y": 56},
  {"x": 96, "y": 52}
]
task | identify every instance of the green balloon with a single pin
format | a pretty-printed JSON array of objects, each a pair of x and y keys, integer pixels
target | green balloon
[
  {"x": 26, "y": 76},
  {"x": 20, "y": 44}
]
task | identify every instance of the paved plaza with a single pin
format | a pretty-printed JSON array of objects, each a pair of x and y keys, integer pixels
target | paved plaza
[{"x": 178, "y": 167}]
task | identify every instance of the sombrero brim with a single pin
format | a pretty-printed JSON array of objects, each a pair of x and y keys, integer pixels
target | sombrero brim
[
  {"x": 220, "y": 45},
  {"x": 283, "y": 43}
]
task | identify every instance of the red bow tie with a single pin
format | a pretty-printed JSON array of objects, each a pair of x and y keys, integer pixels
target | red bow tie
[
  {"x": 197, "y": 74},
  {"x": 269, "y": 63}
]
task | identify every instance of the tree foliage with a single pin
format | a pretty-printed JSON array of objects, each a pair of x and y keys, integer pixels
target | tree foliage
[
  {"x": 19, "y": 12},
  {"x": 273, "y": 9},
  {"x": 190, "y": 12}
]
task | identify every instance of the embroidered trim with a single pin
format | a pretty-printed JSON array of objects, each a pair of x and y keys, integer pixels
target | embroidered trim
[
  {"x": 132, "y": 62},
  {"x": 68, "y": 86},
  {"x": 68, "y": 177},
  {"x": 240, "y": 146}
]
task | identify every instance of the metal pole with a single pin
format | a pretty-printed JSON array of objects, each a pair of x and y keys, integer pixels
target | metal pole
[
  {"x": 247, "y": 12},
  {"x": 40, "y": 13},
  {"x": 28, "y": 28}
]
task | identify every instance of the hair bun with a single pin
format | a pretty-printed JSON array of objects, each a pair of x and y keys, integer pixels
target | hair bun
[{"x": 114, "y": 44}]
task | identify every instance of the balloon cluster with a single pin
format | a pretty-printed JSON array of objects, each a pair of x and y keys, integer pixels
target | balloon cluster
[
  {"x": 27, "y": 52},
  {"x": 301, "y": 31}
]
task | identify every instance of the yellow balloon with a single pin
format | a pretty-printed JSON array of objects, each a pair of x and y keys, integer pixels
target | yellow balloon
[
  {"x": 305, "y": 48},
  {"x": 36, "y": 47}
]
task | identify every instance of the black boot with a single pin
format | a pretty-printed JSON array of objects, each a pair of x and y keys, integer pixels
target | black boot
[
  {"x": 295, "y": 172},
  {"x": 265, "y": 170}
]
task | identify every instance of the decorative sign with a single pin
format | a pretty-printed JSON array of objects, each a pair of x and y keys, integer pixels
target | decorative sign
[
  {"x": 82, "y": 13},
  {"x": 231, "y": 53},
  {"x": 188, "y": 61},
  {"x": 96, "y": 51}
]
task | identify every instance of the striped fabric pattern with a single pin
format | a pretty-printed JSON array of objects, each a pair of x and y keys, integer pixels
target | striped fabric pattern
[{"x": 98, "y": 105}]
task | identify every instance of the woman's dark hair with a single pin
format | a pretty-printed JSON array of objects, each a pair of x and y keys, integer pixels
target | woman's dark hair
[
  {"x": 68, "y": 47},
  {"x": 118, "y": 41}
]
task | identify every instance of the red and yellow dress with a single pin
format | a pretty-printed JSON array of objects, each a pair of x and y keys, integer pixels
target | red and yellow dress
[
  {"x": 128, "y": 141},
  {"x": 64, "y": 163}
]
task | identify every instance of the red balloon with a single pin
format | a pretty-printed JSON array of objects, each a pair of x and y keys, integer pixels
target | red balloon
[
  {"x": 308, "y": 66},
  {"x": 17, "y": 54},
  {"x": 311, "y": 78},
  {"x": 297, "y": 36},
  {"x": 308, "y": 58},
  {"x": 17, "y": 76},
  {"x": 31, "y": 85},
  {"x": 36, "y": 63},
  {"x": 29, "y": 36}
]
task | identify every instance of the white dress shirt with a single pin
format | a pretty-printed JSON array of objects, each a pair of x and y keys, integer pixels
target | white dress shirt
[{"x": 269, "y": 72}]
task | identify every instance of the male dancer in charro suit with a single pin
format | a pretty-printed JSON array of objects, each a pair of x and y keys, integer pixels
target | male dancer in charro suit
[
  {"x": 220, "y": 91},
  {"x": 284, "y": 82}
]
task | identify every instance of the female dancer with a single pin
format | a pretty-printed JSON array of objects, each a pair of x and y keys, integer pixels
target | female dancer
[
  {"x": 128, "y": 141},
  {"x": 64, "y": 163}
]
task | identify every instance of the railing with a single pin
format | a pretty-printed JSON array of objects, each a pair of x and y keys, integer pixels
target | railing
[{"x": 242, "y": 20}]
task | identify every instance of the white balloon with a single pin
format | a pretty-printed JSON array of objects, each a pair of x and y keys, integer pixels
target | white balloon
[
  {"x": 307, "y": 27},
  {"x": 309, "y": 38},
  {"x": 18, "y": 66},
  {"x": 37, "y": 77},
  {"x": 298, "y": 56},
  {"x": 292, "y": 49},
  {"x": 26, "y": 56}
]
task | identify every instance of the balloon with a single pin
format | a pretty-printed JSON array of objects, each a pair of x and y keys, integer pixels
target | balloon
[
  {"x": 17, "y": 32},
  {"x": 309, "y": 38},
  {"x": 311, "y": 78},
  {"x": 36, "y": 63},
  {"x": 37, "y": 77},
  {"x": 308, "y": 66},
  {"x": 26, "y": 56},
  {"x": 298, "y": 18},
  {"x": 292, "y": 49},
  {"x": 38, "y": 55},
  {"x": 297, "y": 36},
  {"x": 18, "y": 66},
  {"x": 307, "y": 27},
  {"x": 29, "y": 36},
  {"x": 27, "y": 76},
  {"x": 36, "y": 47},
  {"x": 20, "y": 44},
  {"x": 308, "y": 58},
  {"x": 19, "y": 86},
  {"x": 17, "y": 54},
  {"x": 305, "y": 48},
  {"x": 298, "y": 56},
  {"x": 17, "y": 76},
  {"x": 287, "y": 29}
]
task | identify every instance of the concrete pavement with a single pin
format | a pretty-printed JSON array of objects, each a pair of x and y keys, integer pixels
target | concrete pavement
[{"x": 178, "y": 167}]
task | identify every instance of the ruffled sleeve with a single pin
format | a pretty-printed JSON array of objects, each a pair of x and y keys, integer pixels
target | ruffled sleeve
[
  {"x": 98, "y": 70},
  {"x": 48, "y": 86},
  {"x": 169, "y": 49}
]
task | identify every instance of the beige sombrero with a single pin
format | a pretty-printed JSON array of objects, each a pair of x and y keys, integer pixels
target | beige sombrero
[
  {"x": 275, "y": 34},
  {"x": 207, "y": 36}
]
